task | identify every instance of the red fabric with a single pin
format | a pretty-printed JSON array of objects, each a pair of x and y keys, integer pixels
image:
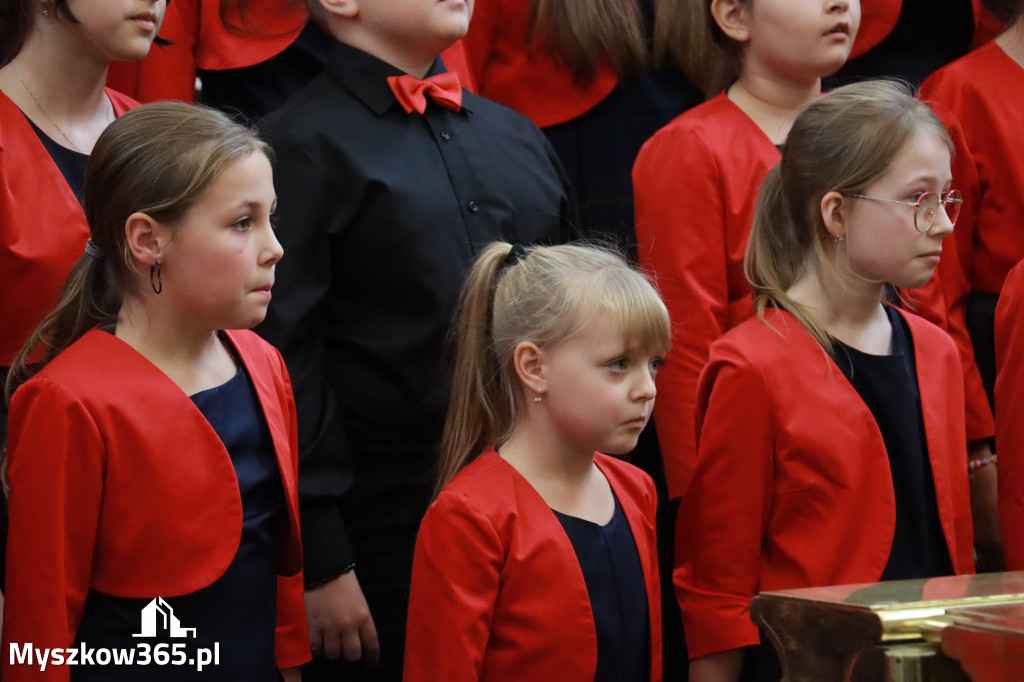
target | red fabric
[
  {"x": 695, "y": 183},
  {"x": 202, "y": 40},
  {"x": 877, "y": 19},
  {"x": 986, "y": 25},
  {"x": 42, "y": 227},
  {"x": 1009, "y": 398},
  {"x": 532, "y": 82},
  {"x": 497, "y": 592},
  {"x": 412, "y": 93},
  {"x": 793, "y": 487},
  {"x": 134, "y": 495},
  {"x": 980, "y": 97}
]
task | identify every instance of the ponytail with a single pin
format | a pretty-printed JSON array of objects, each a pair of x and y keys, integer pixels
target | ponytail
[
  {"x": 583, "y": 34},
  {"x": 777, "y": 255},
  {"x": 88, "y": 299},
  {"x": 686, "y": 36},
  {"x": 482, "y": 405}
]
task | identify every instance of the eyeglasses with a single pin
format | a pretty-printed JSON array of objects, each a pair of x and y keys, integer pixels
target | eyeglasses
[{"x": 927, "y": 207}]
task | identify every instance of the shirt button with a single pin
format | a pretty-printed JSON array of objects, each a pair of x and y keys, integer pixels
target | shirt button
[
  {"x": 446, "y": 136},
  {"x": 473, "y": 207}
]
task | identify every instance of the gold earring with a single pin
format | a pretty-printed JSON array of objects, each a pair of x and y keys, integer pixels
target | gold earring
[{"x": 836, "y": 238}]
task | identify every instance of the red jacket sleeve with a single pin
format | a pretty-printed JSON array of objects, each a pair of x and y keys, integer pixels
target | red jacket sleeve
[
  {"x": 292, "y": 633},
  {"x": 1009, "y": 394},
  {"x": 455, "y": 581},
  {"x": 56, "y": 467},
  {"x": 723, "y": 516},
  {"x": 680, "y": 215}
]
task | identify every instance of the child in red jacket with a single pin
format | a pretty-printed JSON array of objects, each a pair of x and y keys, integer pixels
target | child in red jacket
[
  {"x": 537, "y": 560},
  {"x": 152, "y": 459},
  {"x": 831, "y": 446}
]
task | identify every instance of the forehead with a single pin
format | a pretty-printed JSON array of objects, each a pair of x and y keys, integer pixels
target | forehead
[{"x": 924, "y": 156}]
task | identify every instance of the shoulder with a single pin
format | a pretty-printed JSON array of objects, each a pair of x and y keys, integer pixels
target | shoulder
[
  {"x": 764, "y": 341},
  {"x": 313, "y": 109},
  {"x": 76, "y": 374},
  {"x": 500, "y": 120},
  {"x": 972, "y": 73}
]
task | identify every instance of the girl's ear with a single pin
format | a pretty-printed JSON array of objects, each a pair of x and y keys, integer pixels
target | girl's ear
[
  {"x": 731, "y": 16},
  {"x": 146, "y": 238},
  {"x": 833, "y": 214},
  {"x": 531, "y": 366},
  {"x": 347, "y": 9}
]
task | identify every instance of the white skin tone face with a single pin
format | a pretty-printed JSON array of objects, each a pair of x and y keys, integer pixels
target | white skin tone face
[
  {"x": 408, "y": 34},
  {"x": 882, "y": 244},
  {"x": 113, "y": 29},
  {"x": 798, "y": 40},
  {"x": 598, "y": 392},
  {"x": 218, "y": 265}
]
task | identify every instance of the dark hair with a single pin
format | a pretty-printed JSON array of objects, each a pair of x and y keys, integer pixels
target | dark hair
[
  {"x": 1005, "y": 10},
  {"x": 158, "y": 159},
  {"x": 686, "y": 35},
  {"x": 16, "y": 17}
]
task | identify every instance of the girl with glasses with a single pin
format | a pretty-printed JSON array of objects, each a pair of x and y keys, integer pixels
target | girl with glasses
[
  {"x": 696, "y": 179},
  {"x": 831, "y": 446}
]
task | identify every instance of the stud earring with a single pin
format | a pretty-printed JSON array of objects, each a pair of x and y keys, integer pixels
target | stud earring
[
  {"x": 836, "y": 238},
  {"x": 538, "y": 399},
  {"x": 158, "y": 284}
]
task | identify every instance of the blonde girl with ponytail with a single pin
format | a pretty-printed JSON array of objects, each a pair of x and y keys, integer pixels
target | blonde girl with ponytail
[{"x": 557, "y": 352}]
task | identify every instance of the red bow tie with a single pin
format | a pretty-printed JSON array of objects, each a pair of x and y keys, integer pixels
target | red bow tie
[{"x": 411, "y": 92}]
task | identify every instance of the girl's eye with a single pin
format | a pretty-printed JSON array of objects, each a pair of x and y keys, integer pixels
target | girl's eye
[
  {"x": 619, "y": 365},
  {"x": 655, "y": 364},
  {"x": 243, "y": 223}
]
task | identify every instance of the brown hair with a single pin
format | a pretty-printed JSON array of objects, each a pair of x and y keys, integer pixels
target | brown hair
[
  {"x": 16, "y": 19},
  {"x": 158, "y": 159},
  {"x": 841, "y": 142},
  {"x": 686, "y": 35},
  {"x": 546, "y": 295},
  {"x": 582, "y": 33},
  {"x": 1007, "y": 11}
]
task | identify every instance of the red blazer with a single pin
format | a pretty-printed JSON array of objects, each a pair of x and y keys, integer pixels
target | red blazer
[
  {"x": 497, "y": 591},
  {"x": 532, "y": 82},
  {"x": 793, "y": 487},
  {"x": 695, "y": 184},
  {"x": 200, "y": 40},
  {"x": 1009, "y": 398},
  {"x": 119, "y": 484},
  {"x": 42, "y": 227}
]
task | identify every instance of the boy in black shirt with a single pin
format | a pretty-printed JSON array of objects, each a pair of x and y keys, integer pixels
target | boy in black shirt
[{"x": 387, "y": 188}]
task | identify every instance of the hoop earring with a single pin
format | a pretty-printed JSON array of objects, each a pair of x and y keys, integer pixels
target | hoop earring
[{"x": 158, "y": 286}]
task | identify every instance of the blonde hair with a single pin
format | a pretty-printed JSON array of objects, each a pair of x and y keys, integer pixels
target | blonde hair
[
  {"x": 583, "y": 33},
  {"x": 545, "y": 296},
  {"x": 842, "y": 142},
  {"x": 158, "y": 159},
  {"x": 686, "y": 35}
]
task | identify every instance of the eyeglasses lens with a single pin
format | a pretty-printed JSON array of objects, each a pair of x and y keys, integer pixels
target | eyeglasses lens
[{"x": 928, "y": 207}]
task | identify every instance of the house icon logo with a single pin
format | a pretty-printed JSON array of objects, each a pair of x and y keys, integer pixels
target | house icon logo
[{"x": 158, "y": 619}]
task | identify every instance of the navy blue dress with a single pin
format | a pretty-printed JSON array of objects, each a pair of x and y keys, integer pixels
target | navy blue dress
[
  {"x": 618, "y": 596},
  {"x": 235, "y": 615}
]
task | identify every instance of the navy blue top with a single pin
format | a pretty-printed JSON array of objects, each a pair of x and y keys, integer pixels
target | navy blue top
[
  {"x": 70, "y": 163},
  {"x": 236, "y": 615},
  {"x": 888, "y": 386},
  {"x": 618, "y": 596}
]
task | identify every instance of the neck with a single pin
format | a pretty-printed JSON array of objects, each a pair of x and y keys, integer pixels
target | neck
[
  {"x": 1012, "y": 41},
  {"x": 67, "y": 81},
  {"x": 192, "y": 356},
  {"x": 414, "y": 64},
  {"x": 771, "y": 102},
  {"x": 537, "y": 452},
  {"x": 850, "y": 309}
]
